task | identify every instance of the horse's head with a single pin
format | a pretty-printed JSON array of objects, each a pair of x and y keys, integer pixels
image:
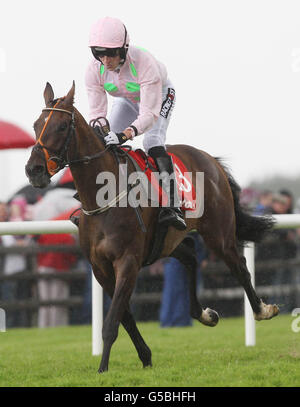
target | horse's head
[{"x": 54, "y": 130}]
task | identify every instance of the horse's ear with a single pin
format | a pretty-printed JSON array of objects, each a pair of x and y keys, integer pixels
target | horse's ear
[
  {"x": 48, "y": 94},
  {"x": 69, "y": 100}
]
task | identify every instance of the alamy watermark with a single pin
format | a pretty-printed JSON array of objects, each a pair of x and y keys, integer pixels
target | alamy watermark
[
  {"x": 140, "y": 192},
  {"x": 2, "y": 320},
  {"x": 296, "y": 321},
  {"x": 295, "y": 54},
  {"x": 3, "y": 60}
]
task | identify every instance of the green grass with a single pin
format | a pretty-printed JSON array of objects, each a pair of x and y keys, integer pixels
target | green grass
[{"x": 182, "y": 357}]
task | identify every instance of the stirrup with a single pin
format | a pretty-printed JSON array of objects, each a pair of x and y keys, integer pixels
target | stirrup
[{"x": 173, "y": 217}]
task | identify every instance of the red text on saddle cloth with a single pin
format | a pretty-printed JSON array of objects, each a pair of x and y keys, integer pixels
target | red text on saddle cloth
[{"x": 185, "y": 188}]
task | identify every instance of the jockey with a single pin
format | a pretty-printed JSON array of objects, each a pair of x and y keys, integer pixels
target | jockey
[{"x": 143, "y": 100}]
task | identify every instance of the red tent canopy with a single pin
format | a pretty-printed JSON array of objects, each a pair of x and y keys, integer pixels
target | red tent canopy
[{"x": 12, "y": 136}]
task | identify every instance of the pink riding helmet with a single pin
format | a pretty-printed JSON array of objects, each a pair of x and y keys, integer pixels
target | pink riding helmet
[{"x": 109, "y": 32}]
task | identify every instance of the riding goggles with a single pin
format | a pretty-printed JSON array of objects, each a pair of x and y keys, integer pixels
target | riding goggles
[{"x": 100, "y": 52}]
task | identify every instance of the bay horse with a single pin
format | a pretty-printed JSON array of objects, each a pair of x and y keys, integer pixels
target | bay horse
[{"x": 113, "y": 241}]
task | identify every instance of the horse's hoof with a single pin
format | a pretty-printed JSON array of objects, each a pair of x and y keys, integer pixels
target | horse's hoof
[
  {"x": 102, "y": 370},
  {"x": 147, "y": 364},
  {"x": 268, "y": 311},
  {"x": 209, "y": 317}
]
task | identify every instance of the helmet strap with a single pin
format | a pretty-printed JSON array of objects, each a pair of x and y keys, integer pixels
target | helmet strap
[{"x": 124, "y": 48}]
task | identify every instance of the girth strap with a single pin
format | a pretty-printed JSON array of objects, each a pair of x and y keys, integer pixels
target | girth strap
[{"x": 108, "y": 206}]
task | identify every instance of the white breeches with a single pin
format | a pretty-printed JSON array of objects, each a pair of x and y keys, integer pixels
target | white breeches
[{"x": 123, "y": 113}]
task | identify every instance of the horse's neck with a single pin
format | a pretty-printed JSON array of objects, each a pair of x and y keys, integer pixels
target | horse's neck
[{"x": 88, "y": 144}]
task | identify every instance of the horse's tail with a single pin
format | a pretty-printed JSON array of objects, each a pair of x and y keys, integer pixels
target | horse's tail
[{"x": 248, "y": 227}]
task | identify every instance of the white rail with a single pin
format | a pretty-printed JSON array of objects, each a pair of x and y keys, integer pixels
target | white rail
[
  {"x": 37, "y": 227},
  {"x": 282, "y": 222},
  {"x": 65, "y": 226}
]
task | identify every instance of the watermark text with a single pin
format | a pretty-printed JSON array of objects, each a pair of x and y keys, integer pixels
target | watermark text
[
  {"x": 3, "y": 60},
  {"x": 2, "y": 320},
  {"x": 295, "y": 54},
  {"x": 296, "y": 321},
  {"x": 185, "y": 190}
]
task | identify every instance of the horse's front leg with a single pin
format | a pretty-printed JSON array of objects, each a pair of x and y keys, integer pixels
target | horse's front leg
[{"x": 126, "y": 269}]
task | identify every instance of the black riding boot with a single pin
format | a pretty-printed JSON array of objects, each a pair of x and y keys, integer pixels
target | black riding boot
[{"x": 172, "y": 215}]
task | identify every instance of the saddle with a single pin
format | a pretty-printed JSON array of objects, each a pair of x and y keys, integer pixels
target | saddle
[{"x": 186, "y": 192}]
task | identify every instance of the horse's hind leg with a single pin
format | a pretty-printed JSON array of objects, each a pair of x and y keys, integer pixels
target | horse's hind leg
[
  {"x": 185, "y": 253},
  {"x": 142, "y": 349},
  {"x": 237, "y": 265}
]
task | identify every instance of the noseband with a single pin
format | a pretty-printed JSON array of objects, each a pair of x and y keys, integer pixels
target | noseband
[{"x": 58, "y": 161}]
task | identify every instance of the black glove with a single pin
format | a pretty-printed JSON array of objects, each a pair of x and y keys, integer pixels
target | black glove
[{"x": 115, "y": 138}]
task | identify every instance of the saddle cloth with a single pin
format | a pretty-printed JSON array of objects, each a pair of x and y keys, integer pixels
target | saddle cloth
[{"x": 185, "y": 188}]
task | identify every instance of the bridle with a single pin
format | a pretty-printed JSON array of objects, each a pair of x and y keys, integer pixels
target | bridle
[{"x": 60, "y": 160}]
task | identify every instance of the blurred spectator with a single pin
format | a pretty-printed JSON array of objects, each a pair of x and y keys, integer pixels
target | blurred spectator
[
  {"x": 17, "y": 209},
  {"x": 296, "y": 280},
  {"x": 3, "y": 218},
  {"x": 293, "y": 235},
  {"x": 56, "y": 204},
  {"x": 297, "y": 206},
  {"x": 297, "y": 211},
  {"x": 54, "y": 288},
  {"x": 3, "y": 212},
  {"x": 86, "y": 310},
  {"x": 15, "y": 263},
  {"x": 175, "y": 305},
  {"x": 264, "y": 205},
  {"x": 290, "y": 200},
  {"x": 280, "y": 204},
  {"x": 280, "y": 244},
  {"x": 248, "y": 197}
]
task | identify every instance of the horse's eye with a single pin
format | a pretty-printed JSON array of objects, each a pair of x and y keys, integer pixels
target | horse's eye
[{"x": 63, "y": 127}]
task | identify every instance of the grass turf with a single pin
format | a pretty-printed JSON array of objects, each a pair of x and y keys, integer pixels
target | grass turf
[{"x": 182, "y": 357}]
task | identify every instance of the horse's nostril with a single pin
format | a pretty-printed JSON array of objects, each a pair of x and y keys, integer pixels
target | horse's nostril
[
  {"x": 38, "y": 170},
  {"x": 35, "y": 170}
]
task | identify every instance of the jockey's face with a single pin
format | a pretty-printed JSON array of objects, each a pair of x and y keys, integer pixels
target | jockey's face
[{"x": 110, "y": 63}]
